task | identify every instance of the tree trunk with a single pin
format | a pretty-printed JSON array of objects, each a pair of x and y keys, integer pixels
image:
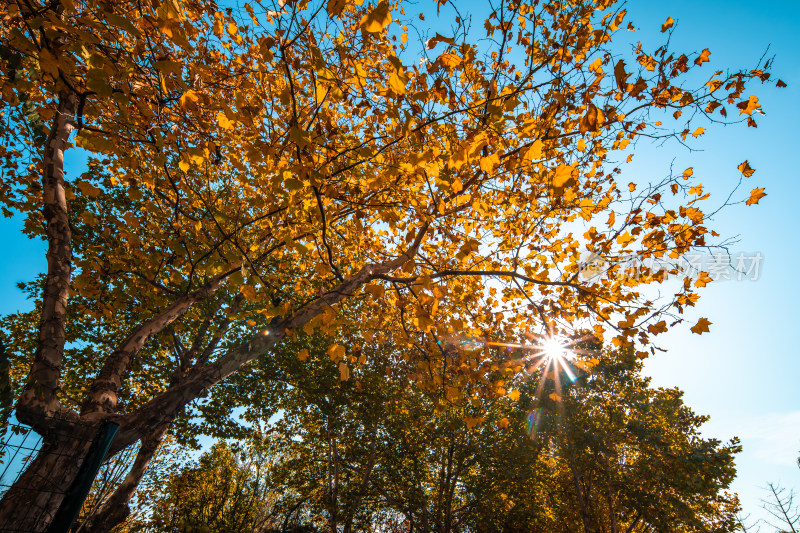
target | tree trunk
[
  {"x": 31, "y": 503},
  {"x": 40, "y": 392}
]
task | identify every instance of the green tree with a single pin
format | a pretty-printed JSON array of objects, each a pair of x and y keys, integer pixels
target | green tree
[{"x": 610, "y": 453}]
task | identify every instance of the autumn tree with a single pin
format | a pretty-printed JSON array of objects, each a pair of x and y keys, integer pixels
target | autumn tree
[{"x": 253, "y": 169}]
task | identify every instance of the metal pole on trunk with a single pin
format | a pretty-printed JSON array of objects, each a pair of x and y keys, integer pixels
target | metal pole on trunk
[{"x": 79, "y": 489}]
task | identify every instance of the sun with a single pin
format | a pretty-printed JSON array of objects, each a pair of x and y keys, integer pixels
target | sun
[{"x": 556, "y": 349}]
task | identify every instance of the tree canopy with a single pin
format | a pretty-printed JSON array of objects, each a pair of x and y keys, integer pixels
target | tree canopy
[
  {"x": 257, "y": 170},
  {"x": 612, "y": 454}
]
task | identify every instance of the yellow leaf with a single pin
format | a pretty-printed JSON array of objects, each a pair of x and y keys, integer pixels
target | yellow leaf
[
  {"x": 377, "y": 19},
  {"x": 183, "y": 165},
  {"x": 701, "y": 326},
  {"x": 668, "y": 24},
  {"x": 514, "y": 395},
  {"x": 489, "y": 163},
  {"x": 248, "y": 291},
  {"x": 397, "y": 84},
  {"x": 563, "y": 176},
  {"x": 698, "y": 132},
  {"x": 223, "y": 121},
  {"x": 232, "y": 29},
  {"x": 336, "y": 352},
  {"x": 756, "y": 195},
  {"x": 303, "y": 355},
  {"x": 687, "y": 173},
  {"x": 745, "y": 169},
  {"x": 581, "y": 145}
]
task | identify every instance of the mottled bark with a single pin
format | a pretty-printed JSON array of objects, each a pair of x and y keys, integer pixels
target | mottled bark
[
  {"x": 30, "y": 504},
  {"x": 39, "y": 402}
]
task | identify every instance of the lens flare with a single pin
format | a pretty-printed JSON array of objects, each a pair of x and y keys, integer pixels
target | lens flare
[{"x": 555, "y": 348}]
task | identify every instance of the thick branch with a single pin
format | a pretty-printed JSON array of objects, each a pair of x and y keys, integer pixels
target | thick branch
[
  {"x": 175, "y": 398},
  {"x": 104, "y": 393}
]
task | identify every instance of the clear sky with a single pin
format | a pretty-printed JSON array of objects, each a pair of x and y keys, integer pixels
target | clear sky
[{"x": 744, "y": 372}]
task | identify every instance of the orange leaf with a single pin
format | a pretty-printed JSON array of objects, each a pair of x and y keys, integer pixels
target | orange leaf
[
  {"x": 473, "y": 421},
  {"x": 698, "y": 132},
  {"x": 703, "y": 279},
  {"x": 749, "y": 105},
  {"x": 746, "y": 169},
  {"x": 439, "y": 38},
  {"x": 303, "y": 355},
  {"x": 248, "y": 291},
  {"x": 336, "y": 352},
  {"x": 344, "y": 372},
  {"x": 755, "y": 195},
  {"x": 668, "y": 24},
  {"x": 592, "y": 120},
  {"x": 701, "y": 326},
  {"x": 489, "y": 163},
  {"x": 703, "y": 57},
  {"x": 620, "y": 76}
]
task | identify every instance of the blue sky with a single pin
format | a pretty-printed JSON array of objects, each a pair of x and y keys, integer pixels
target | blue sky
[{"x": 744, "y": 372}]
